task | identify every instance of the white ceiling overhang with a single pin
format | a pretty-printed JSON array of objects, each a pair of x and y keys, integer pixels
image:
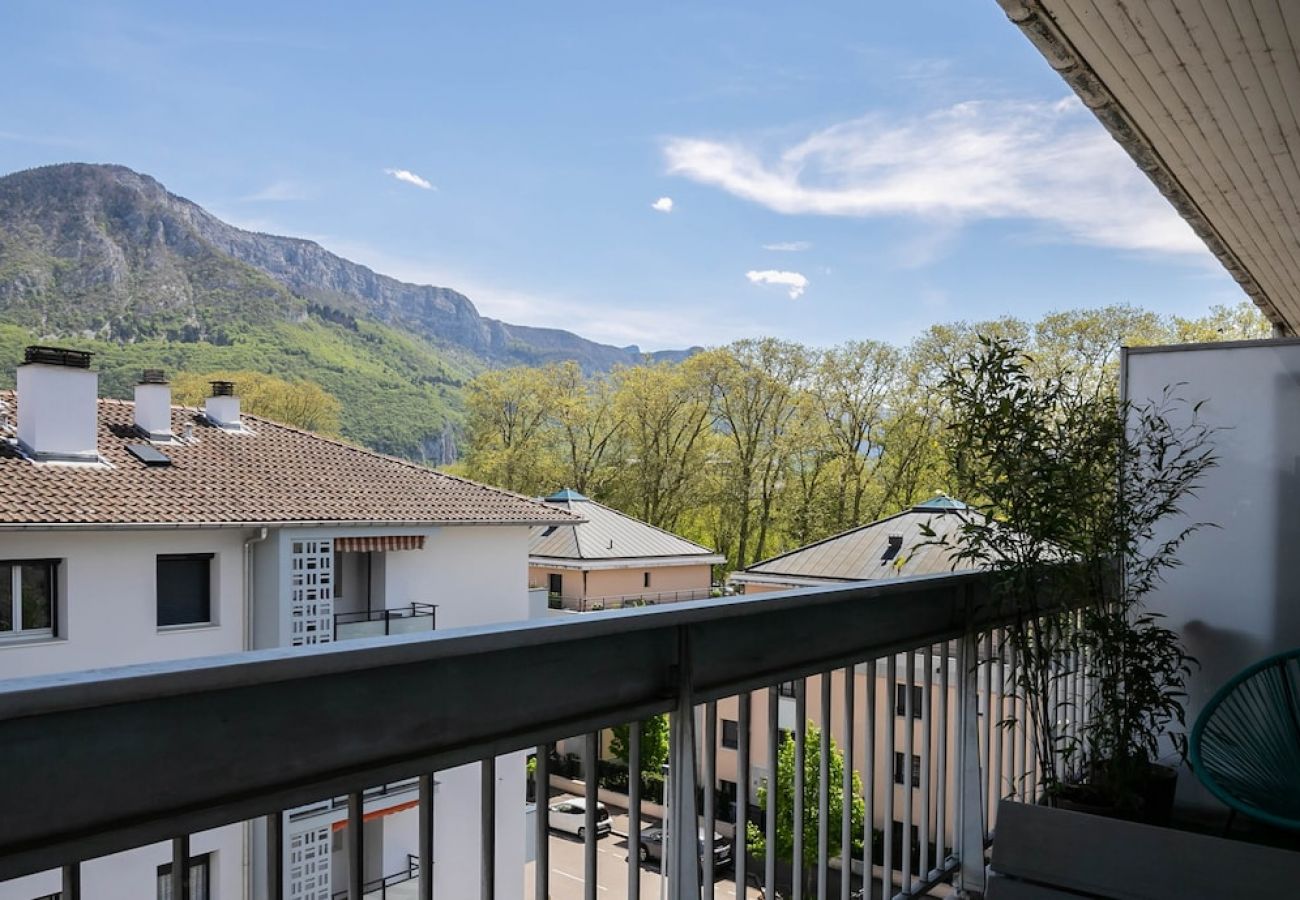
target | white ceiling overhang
[{"x": 1204, "y": 95}]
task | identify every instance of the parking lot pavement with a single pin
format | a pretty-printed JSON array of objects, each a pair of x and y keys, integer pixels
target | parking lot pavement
[{"x": 611, "y": 871}]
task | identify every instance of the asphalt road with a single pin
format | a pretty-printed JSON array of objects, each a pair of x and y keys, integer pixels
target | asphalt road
[{"x": 611, "y": 872}]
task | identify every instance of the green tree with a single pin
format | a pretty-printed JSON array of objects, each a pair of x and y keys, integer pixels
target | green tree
[
  {"x": 754, "y": 388},
  {"x": 507, "y": 412},
  {"x": 1241, "y": 322},
  {"x": 587, "y": 425},
  {"x": 300, "y": 403},
  {"x": 852, "y": 387},
  {"x": 654, "y": 743},
  {"x": 665, "y": 416},
  {"x": 785, "y": 824}
]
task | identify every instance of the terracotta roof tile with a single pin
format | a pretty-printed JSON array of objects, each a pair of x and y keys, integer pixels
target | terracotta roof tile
[{"x": 273, "y": 474}]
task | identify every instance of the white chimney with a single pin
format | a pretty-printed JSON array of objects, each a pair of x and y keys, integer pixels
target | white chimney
[
  {"x": 58, "y": 413},
  {"x": 153, "y": 405},
  {"x": 222, "y": 408}
]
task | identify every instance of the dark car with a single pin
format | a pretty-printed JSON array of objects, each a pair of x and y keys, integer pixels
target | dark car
[{"x": 651, "y": 846}]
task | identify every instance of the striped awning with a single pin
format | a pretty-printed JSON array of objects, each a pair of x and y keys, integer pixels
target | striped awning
[{"x": 382, "y": 543}]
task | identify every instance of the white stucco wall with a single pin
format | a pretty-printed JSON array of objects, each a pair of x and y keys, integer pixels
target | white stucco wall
[
  {"x": 108, "y": 599},
  {"x": 1236, "y": 597}
]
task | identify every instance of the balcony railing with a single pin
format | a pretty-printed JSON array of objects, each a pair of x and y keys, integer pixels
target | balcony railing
[
  {"x": 416, "y": 617},
  {"x": 123, "y": 758},
  {"x": 626, "y": 601},
  {"x": 386, "y": 888}
]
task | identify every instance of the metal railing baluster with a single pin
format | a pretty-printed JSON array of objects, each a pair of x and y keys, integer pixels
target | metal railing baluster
[
  {"x": 890, "y": 752},
  {"x": 591, "y": 793},
  {"x": 740, "y": 848},
  {"x": 997, "y": 713},
  {"x": 708, "y": 775},
  {"x": 425, "y": 838},
  {"x": 909, "y": 776},
  {"x": 769, "y": 827},
  {"x": 356, "y": 845},
  {"x": 180, "y": 877},
  {"x": 488, "y": 828},
  {"x": 71, "y": 882},
  {"x": 275, "y": 855},
  {"x": 1017, "y": 731},
  {"x": 985, "y": 721},
  {"x": 869, "y": 766},
  {"x": 927, "y": 757},
  {"x": 633, "y": 813},
  {"x": 800, "y": 756},
  {"x": 846, "y": 784},
  {"x": 824, "y": 788},
  {"x": 941, "y": 774}
]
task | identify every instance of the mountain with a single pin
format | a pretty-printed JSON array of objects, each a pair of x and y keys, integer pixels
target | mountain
[
  {"x": 107, "y": 258},
  {"x": 104, "y": 250}
]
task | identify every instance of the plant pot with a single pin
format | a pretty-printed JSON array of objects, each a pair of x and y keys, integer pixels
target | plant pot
[
  {"x": 1084, "y": 798},
  {"x": 1158, "y": 795}
]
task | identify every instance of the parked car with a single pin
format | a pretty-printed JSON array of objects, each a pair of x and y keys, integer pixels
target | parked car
[
  {"x": 571, "y": 815},
  {"x": 651, "y": 846}
]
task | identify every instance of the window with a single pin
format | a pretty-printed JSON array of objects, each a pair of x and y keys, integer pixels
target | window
[
  {"x": 554, "y": 584},
  {"x": 900, "y": 700},
  {"x": 730, "y": 734},
  {"x": 199, "y": 879},
  {"x": 27, "y": 597},
  {"x": 184, "y": 589},
  {"x": 785, "y": 689},
  {"x": 645, "y": 579},
  {"x": 900, "y": 775}
]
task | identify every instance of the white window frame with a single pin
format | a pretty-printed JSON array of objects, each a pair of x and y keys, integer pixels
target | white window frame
[{"x": 18, "y": 633}]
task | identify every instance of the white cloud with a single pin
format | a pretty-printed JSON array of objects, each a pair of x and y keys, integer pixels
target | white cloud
[
  {"x": 1045, "y": 162},
  {"x": 789, "y": 246},
  {"x": 793, "y": 280},
  {"x": 410, "y": 178},
  {"x": 663, "y": 204}
]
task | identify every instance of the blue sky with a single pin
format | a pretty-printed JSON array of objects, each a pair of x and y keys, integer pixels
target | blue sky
[{"x": 835, "y": 170}]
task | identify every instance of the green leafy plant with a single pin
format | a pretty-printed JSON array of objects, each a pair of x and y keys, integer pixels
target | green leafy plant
[
  {"x": 785, "y": 824},
  {"x": 654, "y": 743},
  {"x": 1072, "y": 491}
]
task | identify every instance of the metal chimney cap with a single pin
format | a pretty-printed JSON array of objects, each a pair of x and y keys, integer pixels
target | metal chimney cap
[
  {"x": 153, "y": 376},
  {"x": 57, "y": 356},
  {"x": 222, "y": 388}
]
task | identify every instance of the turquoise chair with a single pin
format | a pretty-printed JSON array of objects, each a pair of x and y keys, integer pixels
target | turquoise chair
[{"x": 1245, "y": 746}]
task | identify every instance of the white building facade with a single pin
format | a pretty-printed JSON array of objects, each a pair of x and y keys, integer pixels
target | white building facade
[{"x": 247, "y": 535}]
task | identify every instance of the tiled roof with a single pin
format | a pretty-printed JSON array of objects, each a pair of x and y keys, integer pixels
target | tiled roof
[
  {"x": 865, "y": 554},
  {"x": 270, "y": 474},
  {"x": 608, "y": 534}
]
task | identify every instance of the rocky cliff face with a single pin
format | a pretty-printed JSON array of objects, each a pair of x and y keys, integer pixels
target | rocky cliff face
[{"x": 107, "y": 252}]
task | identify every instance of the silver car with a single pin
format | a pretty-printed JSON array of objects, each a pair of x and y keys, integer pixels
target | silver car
[{"x": 651, "y": 846}]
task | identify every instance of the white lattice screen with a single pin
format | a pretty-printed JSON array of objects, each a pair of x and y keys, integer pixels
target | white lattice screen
[
  {"x": 308, "y": 866},
  {"x": 311, "y": 592}
]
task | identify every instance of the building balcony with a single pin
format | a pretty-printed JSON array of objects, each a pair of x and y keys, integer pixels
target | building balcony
[
  {"x": 410, "y": 619},
  {"x": 625, "y": 601}
]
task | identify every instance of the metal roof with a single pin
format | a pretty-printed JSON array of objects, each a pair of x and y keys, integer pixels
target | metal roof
[
  {"x": 865, "y": 553},
  {"x": 1205, "y": 96},
  {"x": 608, "y": 534}
]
